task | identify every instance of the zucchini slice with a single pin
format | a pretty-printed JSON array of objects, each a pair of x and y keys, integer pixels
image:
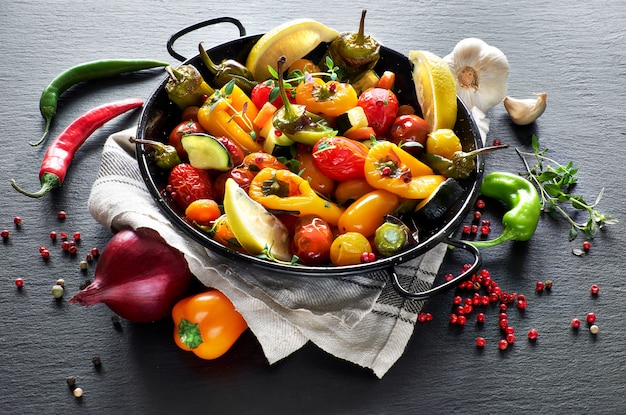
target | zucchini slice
[
  {"x": 430, "y": 212},
  {"x": 351, "y": 120},
  {"x": 206, "y": 152}
]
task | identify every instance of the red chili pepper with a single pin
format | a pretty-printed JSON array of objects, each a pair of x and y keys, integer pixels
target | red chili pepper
[{"x": 59, "y": 155}]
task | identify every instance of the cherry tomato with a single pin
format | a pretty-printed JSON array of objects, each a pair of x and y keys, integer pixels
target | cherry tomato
[
  {"x": 185, "y": 127},
  {"x": 381, "y": 107},
  {"x": 190, "y": 113},
  {"x": 242, "y": 175},
  {"x": 187, "y": 183},
  {"x": 340, "y": 158},
  {"x": 348, "y": 248},
  {"x": 311, "y": 240},
  {"x": 236, "y": 153},
  {"x": 261, "y": 94},
  {"x": 259, "y": 160},
  {"x": 411, "y": 132},
  {"x": 203, "y": 211},
  {"x": 321, "y": 183},
  {"x": 368, "y": 212}
]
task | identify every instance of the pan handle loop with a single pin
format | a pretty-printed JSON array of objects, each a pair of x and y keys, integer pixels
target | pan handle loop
[
  {"x": 424, "y": 295},
  {"x": 189, "y": 29}
]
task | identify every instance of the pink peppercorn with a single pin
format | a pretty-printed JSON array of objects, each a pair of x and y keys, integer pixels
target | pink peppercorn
[
  {"x": 591, "y": 318},
  {"x": 575, "y": 323},
  {"x": 533, "y": 334},
  {"x": 595, "y": 289}
]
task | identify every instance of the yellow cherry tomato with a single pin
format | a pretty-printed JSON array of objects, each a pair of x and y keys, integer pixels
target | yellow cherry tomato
[
  {"x": 443, "y": 142},
  {"x": 348, "y": 248}
]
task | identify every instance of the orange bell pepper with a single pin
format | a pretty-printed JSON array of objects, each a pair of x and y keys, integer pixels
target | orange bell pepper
[
  {"x": 207, "y": 324},
  {"x": 286, "y": 191},
  {"x": 328, "y": 99},
  {"x": 389, "y": 167},
  {"x": 229, "y": 112}
]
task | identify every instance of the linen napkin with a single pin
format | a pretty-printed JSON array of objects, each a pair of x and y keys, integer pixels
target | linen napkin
[{"x": 359, "y": 318}]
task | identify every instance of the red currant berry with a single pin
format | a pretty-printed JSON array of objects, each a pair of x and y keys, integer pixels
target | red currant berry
[
  {"x": 45, "y": 254},
  {"x": 480, "y": 204},
  {"x": 481, "y": 342},
  {"x": 429, "y": 316},
  {"x": 484, "y": 230},
  {"x": 510, "y": 338},
  {"x": 17, "y": 220},
  {"x": 510, "y": 330},
  {"x": 486, "y": 223},
  {"x": 591, "y": 318},
  {"x": 586, "y": 245},
  {"x": 484, "y": 300},
  {"x": 504, "y": 324},
  {"x": 496, "y": 142},
  {"x": 503, "y": 307},
  {"x": 474, "y": 229},
  {"x": 595, "y": 289},
  {"x": 480, "y": 317},
  {"x": 575, "y": 323},
  {"x": 53, "y": 235},
  {"x": 4, "y": 233},
  {"x": 449, "y": 277},
  {"x": 522, "y": 304},
  {"x": 467, "y": 229},
  {"x": 64, "y": 236},
  {"x": 65, "y": 246},
  {"x": 421, "y": 317},
  {"x": 88, "y": 257},
  {"x": 95, "y": 252},
  {"x": 453, "y": 318},
  {"x": 503, "y": 344},
  {"x": 539, "y": 286},
  {"x": 73, "y": 249},
  {"x": 533, "y": 334},
  {"x": 19, "y": 282},
  {"x": 76, "y": 236},
  {"x": 62, "y": 215},
  {"x": 493, "y": 297},
  {"x": 461, "y": 320},
  {"x": 477, "y": 215},
  {"x": 457, "y": 300}
]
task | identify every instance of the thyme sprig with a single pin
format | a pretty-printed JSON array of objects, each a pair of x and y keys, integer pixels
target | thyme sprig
[{"x": 555, "y": 181}]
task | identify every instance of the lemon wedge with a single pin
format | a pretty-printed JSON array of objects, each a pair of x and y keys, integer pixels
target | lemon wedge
[
  {"x": 256, "y": 229},
  {"x": 436, "y": 89},
  {"x": 293, "y": 39}
]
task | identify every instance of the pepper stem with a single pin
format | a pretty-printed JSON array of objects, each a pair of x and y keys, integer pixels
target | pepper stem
[
  {"x": 290, "y": 113},
  {"x": 481, "y": 150},
  {"x": 174, "y": 74},
  {"x": 505, "y": 236},
  {"x": 45, "y": 133},
  {"x": 207, "y": 60},
  {"x": 361, "y": 34},
  {"x": 49, "y": 181}
]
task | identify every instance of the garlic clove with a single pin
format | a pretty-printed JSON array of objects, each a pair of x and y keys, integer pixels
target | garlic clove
[{"x": 525, "y": 111}]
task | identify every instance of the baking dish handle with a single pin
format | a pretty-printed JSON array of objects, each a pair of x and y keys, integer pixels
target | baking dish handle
[
  {"x": 424, "y": 295},
  {"x": 199, "y": 25}
]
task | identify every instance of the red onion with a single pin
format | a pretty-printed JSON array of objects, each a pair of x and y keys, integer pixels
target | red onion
[{"x": 138, "y": 276}]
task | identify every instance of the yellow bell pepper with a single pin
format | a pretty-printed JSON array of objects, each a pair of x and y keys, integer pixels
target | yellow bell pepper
[
  {"x": 328, "y": 99},
  {"x": 389, "y": 167},
  {"x": 229, "y": 112},
  {"x": 286, "y": 191}
]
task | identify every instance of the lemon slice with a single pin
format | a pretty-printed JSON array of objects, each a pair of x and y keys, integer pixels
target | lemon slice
[
  {"x": 257, "y": 230},
  {"x": 293, "y": 39},
  {"x": 436, "y": 89}
]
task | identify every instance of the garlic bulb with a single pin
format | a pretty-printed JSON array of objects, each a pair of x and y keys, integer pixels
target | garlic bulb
[
  {"x": 481, "y": 72},
  {"x": 525, "y": 111}
]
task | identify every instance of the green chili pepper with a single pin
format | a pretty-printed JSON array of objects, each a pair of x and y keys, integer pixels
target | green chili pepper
[
  {"x": 227, "y": 70},
  {"x": 165, "y": 155},
  {"x": 522, "y": 199},
  {"x": 295, "y": 121},
  {"x": 460, "y": 166},
  {"x": 354, "y": 53},
  {"x": 186, "y": 87},
  {"x": 85, "y": 72}
]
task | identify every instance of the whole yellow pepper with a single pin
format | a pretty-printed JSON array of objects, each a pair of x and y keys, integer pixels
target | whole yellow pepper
[
  {"x": 229, "y": 112},
  {"x": 284, "y": 190},
  {"x": 328, "y": 99}
]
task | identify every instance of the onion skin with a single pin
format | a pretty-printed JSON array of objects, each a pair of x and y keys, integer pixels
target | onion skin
[{"x": 138, "y": 276}]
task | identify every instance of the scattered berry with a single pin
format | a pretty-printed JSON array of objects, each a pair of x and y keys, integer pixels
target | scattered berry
[
  {"x": 45, "y": 253},
  {"x": 481, "y": 342},
  {"x": 76, "y": 236},
  {"x": 480, "y": 204},
  {"x": 61, "y": 282},
  {"x": 575, "y": 323},
  {"x": 496, "y": 142},
  {"x": 477, "y": 215},
  {"x": 503, "y": 344},
  {"x": 548, "y": 284},
  {"x": 78, "y": 392},
  {"x": 595, "y": 289},
  {"x": 533, "y": 334},
  {"x": 591, "y": 318},
  {"x": 95, "y": 252},
  {"x": 19, "y": 282},
  {"x": 586, "y": 246},
  {"x": 57, "y": 291},
  {"x": 62, "y": 215},
  {"x": 53, "y": 235},
  {"x": 594, "y": 329},
  {"x": 83, "y": 265},
  {"x": 510, "y": 338},
  {"x": 64, "y": 236},
  {"x": 480, "y": 317},
  {"x": 539, "y": 287},
  {"x": 17, "y": 220},
  {"x": 4, "y": 234}
]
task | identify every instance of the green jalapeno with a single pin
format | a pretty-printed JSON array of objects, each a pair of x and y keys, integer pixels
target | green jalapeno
[
  {"x": 522, "y": 199},
  {"x": 227, "y": 70},
  {"x": 165, "y": 155},
  {"x": 460, "y": 165}
]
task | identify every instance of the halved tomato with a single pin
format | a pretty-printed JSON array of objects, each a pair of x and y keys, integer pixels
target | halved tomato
[{"x": 340, "y": 158}]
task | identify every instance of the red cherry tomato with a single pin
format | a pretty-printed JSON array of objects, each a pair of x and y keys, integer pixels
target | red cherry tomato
[
  {"x": 312, "y": 240},
  {"x": 261, "y": 94},
  {"x": 410, "y": 131},
  {"x": 185, "y": 127},
  {"x": 242, "y": 175},
  {"x": 187, "y": 184},
  {"x": 236, "y": 153},
  {"x": 340, "y": 158},
  {"x": 381, "y": 107}
]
